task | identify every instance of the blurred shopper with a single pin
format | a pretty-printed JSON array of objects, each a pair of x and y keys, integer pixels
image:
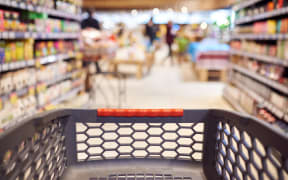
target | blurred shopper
[
  {"x": 182, "y": 42},
  {"x": 150, "y": 31},
  {"x": 90, "y": 22},
  {"x": 170, "y": 39}
]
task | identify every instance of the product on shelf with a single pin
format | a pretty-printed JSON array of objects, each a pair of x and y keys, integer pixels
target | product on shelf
[
  {"x": 46, "y": 48},
  {"x": 23, "y": 90},
  {"x": 268, "y": 58},
  {"x": 271, "y": 71},
  {"x": 267, "y": 6},
  {"x": 11, "y": 51},
  {"x": 278, "y": 100},
  {"x": 22, "y": 107},
  {"x": 265, "y": 115},
  {"x": 51, "y": 71},
  {"x": 55, "y": 25},
  {"x": 70, "y": 6},
  {"x": 18, "y": 80},
  {"x": 270, "y": 26},
  {"x": 34, "y": 22}
]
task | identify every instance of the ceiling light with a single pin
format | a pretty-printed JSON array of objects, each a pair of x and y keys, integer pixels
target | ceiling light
[
  {"x": 170, "y": 10},
  {"x": 134, "y": 12},
  {"x": 155, "y": 11},
  {"x": 203, "y": 25},
  {"x": 184, "y": 9}
]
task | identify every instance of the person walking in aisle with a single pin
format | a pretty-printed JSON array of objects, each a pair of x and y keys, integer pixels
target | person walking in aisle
[
  {"x": 150, "y": 31},
  {"x": 170, "y": 39},
  {"x": 90, "y": 21}
]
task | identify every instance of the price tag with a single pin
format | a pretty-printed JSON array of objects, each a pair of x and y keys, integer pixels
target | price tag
[
  {"x": 26, "y": 35},
  {"x": 14, "y": 3},
  {"x": 22, "y": 5},
  {"x": 13, "y": 98},
  {"x": 32, "y": 91},
  {"x": 30, "y": 7},
  {"x": 12, "y": 35},
  {"x": 50, "y": 107},
  {"x": 12, "y": 66},
  {"x": 23, "y": 64},
  {"x": 1, "y": 104},
  {"x": 34, "y": 35},
  {"x": 5, "y": 34},
  {"x": 5, "y": 67},
  {"x": 17, "y": 65}
]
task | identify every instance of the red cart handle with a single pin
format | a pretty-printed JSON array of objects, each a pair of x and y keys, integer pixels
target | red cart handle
[{"x": 140, "y": 112}]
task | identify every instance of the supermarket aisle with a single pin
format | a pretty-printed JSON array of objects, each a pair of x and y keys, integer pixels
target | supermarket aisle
[{"x": 164, "y": 87}]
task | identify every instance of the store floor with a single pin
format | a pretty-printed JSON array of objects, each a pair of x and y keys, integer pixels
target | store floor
[{"x": 166, "y": 86}]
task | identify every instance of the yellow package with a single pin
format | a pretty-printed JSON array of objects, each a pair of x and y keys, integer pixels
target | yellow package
[
  {"x": 13, "y": 51},
  {"x": 19, "y": 50},
  {"x": 8, "y": 57},
  {"x": 271, "y": 26},
  {"x": 28, "y": 49}
]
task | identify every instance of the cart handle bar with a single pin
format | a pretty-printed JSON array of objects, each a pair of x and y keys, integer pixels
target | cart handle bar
[{"x": 140, "y": 112}]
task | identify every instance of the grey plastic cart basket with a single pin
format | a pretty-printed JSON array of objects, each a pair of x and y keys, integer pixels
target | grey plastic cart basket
[{"x": 202, "y": 144}]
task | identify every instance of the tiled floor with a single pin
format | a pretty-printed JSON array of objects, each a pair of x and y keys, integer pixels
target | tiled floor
[{"x": 167, "y": 87}]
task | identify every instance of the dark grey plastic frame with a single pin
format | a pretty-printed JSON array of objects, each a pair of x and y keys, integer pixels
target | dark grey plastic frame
[{"x": 55, "y": 144}]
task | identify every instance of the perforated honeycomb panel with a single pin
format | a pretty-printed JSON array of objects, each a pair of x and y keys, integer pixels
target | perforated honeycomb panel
[
  {"x": 100, "y": 141},
  {"x": 241, "y": 156},
  {"x": 141, "y": 177},
  {"x": 39, "y": 157}
]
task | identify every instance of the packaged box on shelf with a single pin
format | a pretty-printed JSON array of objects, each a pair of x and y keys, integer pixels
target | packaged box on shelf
[
  {"x": 17, "y": 80},
  {"x": 233, "y": 92},
  {"x": 17, "y": 107},
  {"x": 279, "y": 101},
  {"x": 247, "y": 103}
]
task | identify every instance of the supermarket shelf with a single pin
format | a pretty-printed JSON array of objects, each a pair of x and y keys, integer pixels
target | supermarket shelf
[
  {"x": 18, "y": 93},
  {"x": 260, "y": 100},
  {"x": 262, "y": 16},
  {"x": 245, "y": 4},
  {"x": 38, "y": 35},
  {"x": 57, "y": 79},
  {"x": 267, "y": 59},
  {"x": 260, "y": 36},
  {"x": 233, "y": 103},
  {"x": 44, "y": 60},
  {"x": 54, "y": 58},
  {"x": 16, "y": 65},
  {"x": 67, "y": 96},
  {"x": 14, "y": 121},
  {"x": 52, "y": 12},
  {"x": 264, "y": 80}
]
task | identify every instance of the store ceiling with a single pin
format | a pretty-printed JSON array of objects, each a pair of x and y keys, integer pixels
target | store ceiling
[{"x": 192, "y": 5}]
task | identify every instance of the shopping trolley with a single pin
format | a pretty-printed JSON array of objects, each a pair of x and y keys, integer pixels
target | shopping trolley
[{"x": 146, "y": 144}]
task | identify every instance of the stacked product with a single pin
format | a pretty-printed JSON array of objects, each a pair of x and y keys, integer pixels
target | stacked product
[
  {"x": 38, "y": 53},
  {"x": 17, "y": 93},
  {"x": 34, "y": 22},
  {"x": 259, "y": 78},
  {"x": 268, "y": 70},
  {"x": 17, "y": 50},
  {"x": 69, "y": 6},
  {"x": 21, "y": 50},
  {"x": 46, "y": 48},
  {"x": 267, "y": 6},
  {"x": 271, "y": 26}
]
